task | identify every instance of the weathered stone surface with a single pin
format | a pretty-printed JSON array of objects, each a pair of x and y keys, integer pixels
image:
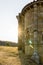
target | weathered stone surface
[{"x": 31, "y": 20}]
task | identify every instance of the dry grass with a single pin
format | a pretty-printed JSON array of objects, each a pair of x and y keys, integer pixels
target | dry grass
[{"x": 9, "y": 56}]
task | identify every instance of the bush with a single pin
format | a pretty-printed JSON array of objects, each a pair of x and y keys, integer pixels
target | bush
[{"x": 7, "y": 44}]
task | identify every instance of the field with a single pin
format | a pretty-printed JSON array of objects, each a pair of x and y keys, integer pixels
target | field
[{"x": 9, "y": 56}]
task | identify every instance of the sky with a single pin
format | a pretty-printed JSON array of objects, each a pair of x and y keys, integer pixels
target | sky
[{"x": 9, "y": 9}]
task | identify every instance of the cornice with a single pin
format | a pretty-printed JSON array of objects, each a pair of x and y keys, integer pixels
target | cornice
[{"x": 31, "y": 5}]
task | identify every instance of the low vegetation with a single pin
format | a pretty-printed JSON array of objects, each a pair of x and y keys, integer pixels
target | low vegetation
[
  {"x": 9, "y": 56},
  {"x": 8, "y": 43}
]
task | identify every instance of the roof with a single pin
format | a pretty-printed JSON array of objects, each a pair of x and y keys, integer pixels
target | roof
[{"x": 30, "y": 5}]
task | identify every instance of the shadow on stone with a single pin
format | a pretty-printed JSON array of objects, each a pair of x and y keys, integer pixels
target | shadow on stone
[{"x": 26, "y": 59}]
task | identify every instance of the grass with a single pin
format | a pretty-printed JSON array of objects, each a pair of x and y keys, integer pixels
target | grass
[{"x": 9, "y": 56}]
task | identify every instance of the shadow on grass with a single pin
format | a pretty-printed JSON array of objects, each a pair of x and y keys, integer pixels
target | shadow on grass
[{"x": 0, "y": 64}]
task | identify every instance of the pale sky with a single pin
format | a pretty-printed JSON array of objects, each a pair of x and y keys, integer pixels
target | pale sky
[{"x": 9, "y": 9}]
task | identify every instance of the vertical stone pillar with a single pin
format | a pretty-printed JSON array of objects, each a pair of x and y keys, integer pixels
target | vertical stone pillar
[
  {"x": 23, "y": 34},
  {"x": 35, "y": 31},
  {"x": 20, "y": 18},
  {"x": 19, "y": 32},
  {"x": 35, "y": 55}
]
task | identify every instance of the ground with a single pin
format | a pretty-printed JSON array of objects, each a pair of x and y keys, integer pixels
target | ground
[{"x": 11, "y": 56}]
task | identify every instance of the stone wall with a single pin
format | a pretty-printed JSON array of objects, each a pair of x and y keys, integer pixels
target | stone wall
[{"x": 27, "y": 24}]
